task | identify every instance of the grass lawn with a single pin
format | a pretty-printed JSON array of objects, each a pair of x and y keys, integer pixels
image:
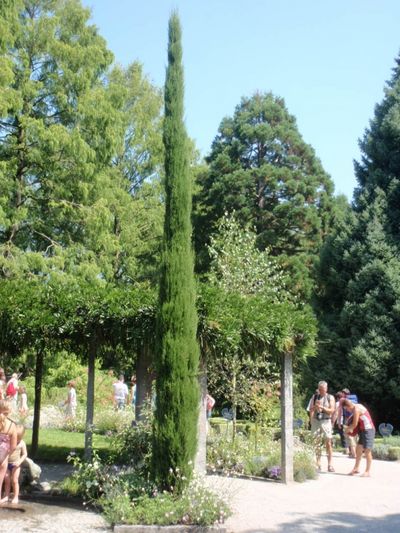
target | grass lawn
[{"x": 56, "y": 444}]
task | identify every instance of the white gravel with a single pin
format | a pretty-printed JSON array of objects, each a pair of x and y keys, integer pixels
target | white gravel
[
  {"x": 332, "y": 504},
  {"x": 39, "y": 518}
]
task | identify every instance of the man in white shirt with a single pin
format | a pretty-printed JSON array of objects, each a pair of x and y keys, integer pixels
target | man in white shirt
[{"x": 121, "y": 393}]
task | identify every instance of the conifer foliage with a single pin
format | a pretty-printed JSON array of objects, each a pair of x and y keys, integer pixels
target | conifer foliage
[
  {"x": 175, "y": 427},
  {"x": 261, "y": 168},
  {"x": 360, "y": 267}
]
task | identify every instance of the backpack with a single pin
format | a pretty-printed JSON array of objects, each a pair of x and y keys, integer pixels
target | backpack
[
  {"x": 11, "y": 390},
  {"x": 329, "y": 399}
]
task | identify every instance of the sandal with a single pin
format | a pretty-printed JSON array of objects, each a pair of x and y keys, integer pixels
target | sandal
[
  {"x": 330, "y": 468},
  {"x": 353, "y": 473}
]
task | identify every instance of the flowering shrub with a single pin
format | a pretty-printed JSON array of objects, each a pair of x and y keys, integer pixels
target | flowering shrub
[
  {"x": 241, "y": 457},
  {"x": 386, "y": 452},
  {"x": 196, "y": 505},
  {"x": 89, "y": 478},
  {"x": 127, "y": 496},
  {"x": 132, "y": 446},
  {"x": 274, "y": 472}
]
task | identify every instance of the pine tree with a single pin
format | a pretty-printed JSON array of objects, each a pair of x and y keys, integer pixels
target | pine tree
[
  {"x": 360, "y": 318},
  {"x": 261, "y": 168},
  {"x": 175, "y": 427}
]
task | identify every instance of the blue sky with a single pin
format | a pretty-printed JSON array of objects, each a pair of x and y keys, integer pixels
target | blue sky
[{"x": 328, "y": 60}]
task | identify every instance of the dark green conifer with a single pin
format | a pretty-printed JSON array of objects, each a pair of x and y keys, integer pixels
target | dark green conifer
[
  {"x": 360, "y": 273},
  {"x": 175, "y": 427}
]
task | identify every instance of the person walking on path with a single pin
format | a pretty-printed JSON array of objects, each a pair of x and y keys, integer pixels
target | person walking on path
[
  {"x": 8, "y": 440},
  {"x": 121, "y": 393},
  {"x": 23, "y": 401},
  {"x": 362, "y": 423},
  {"x": 71, "y": 401},
  {"x": 322, "y": 409}
]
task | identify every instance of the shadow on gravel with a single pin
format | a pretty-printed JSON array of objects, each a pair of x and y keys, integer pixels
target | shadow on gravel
[{"x": 338, "y": 523}]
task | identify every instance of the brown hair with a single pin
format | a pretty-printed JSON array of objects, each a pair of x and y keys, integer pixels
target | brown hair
[
  {"x": 347, "y": 403},
  {"x": 71, "y": 383}
]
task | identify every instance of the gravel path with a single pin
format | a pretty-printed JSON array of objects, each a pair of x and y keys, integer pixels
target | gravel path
[
  {"x": 334, "y": 503},
  {"x": 39, "y": 518},
  {"x": 44, "y": 518}
]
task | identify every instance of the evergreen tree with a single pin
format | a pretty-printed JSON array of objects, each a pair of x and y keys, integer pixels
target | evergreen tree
[
  {"x": 175, "y": 427},
  {"x": 360, "y": 312},
  {"x": 261, "y": 168}
]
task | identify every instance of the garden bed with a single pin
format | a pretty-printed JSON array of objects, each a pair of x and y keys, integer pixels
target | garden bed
[{"x": 168, "y": 529}]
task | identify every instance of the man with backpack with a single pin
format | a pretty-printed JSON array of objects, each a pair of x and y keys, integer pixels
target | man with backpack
[{"x": 321, "y": 410}]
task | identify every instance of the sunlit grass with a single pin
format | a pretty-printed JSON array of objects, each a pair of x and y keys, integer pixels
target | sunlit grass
[{"x": 56, "y": 444}]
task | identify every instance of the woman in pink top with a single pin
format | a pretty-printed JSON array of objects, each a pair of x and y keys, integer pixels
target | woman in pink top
[{"x": 362, "y": 422}]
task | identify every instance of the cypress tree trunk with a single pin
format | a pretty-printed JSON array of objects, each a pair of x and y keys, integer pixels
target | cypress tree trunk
[
  {"x": 177, "y": 353},
  {"x": 144, "y": 378}
]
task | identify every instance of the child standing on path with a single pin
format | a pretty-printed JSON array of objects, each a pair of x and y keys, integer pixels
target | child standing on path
[
  {"x": 15, "y": 460},
  {"x": 8, "y": 440}
]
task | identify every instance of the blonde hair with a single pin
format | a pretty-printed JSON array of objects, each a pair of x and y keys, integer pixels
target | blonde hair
[{"x": 5, "y": 410}]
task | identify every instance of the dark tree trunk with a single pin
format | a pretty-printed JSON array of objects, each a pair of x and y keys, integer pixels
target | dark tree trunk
[
  {"x": 38, "y": 399},
  {"x": 144, "y": 378},
  {"x": 90, "y": 400}
]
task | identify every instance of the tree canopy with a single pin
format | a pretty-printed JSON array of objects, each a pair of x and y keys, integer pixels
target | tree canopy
[
  {"x": 261, "y": 168},
  {"x": 361, "y": 266}
]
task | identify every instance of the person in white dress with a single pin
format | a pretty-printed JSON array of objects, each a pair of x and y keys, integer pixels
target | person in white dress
[{"x": 71, "y": 401}]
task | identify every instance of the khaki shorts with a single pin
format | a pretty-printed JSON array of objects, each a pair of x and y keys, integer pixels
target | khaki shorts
[{"x": 321, "y": 428}]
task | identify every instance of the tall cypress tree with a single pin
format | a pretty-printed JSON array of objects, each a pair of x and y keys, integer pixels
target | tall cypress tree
[{"x": 175, "y": 426}]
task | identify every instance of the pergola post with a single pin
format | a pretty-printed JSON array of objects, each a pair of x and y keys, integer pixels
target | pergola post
[
  {"x": 287, "y": 418},
  {"x": 200, "y": 463}
]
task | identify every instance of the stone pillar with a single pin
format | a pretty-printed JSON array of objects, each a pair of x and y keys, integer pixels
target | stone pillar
[
  {"x": 200, "y": 464},
  {"x": 287, "y": 419}
]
